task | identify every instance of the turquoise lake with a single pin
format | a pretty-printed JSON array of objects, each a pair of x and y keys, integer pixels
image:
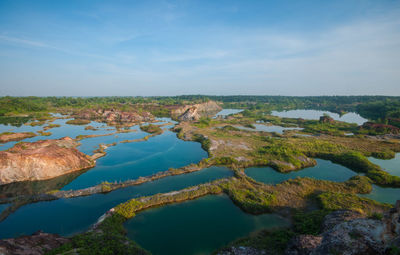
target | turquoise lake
[
  {"x": 392, "y": 166},
  {"x": 131, "y": 160},
  {"x": 57, "y": 132},
  {"x": 324, "y": 170},
  {"x": 196, "y": 227},
  {"x": 350, "y": 117},
  {"x": 383, "y": 194},
  {"x": 74, "y": 215},
  {"x": 267, "y": 128},
  {"x": 226, "y": 112}
]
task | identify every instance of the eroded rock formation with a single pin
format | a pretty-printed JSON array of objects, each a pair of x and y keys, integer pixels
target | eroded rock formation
[
  {"x": 348, "y": 233},
  {"x": 42, "y": 160},
  {"x": 114, "y": 116},
  {"x": 195, "y": 112}
]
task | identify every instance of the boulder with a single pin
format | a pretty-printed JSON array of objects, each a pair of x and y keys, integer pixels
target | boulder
[
  {"x": 350, "y": 233},
  {"x": 37, "y": 244},
  {"x": 42, "y": 160},
  {"x": 196, "y": 111}
]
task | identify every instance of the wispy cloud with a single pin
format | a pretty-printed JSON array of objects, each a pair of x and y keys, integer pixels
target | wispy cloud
[
  {"x": 44, "y": 45},
  {"x": 27, "y": 42}
]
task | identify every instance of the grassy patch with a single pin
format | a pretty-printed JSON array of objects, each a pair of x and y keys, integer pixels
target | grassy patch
[
  {"x": 108, "y": 239},
  {"x": 248, "y": 197},
  {"x": 273, "y": 241},
  {"x": 341, "y": 201},
  {"x": 42, "y": 133},
  {"x": 153, "y": 129},
  {"x": 78, "y": 122},
  {"x": 309, "y": 223},
  {"x": 131, "y": 207},
  {"x": 205, "y": 142}
]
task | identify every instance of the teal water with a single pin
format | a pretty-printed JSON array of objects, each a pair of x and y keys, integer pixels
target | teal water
[
  {"x": 324, "y": 170},
  {"x": 383, "y": 194},
  {"x": 350, "y": 117},
  {"x": 3, "y": 206},
  {"x": 392, "y": 166},
  {"x": 132, "y": 160},
  {"x": 70, "y": 216},
  {"x": 272, "y": 128},
  {"x": 226, "y": 112},
  {"x": 59, "y": 132},
  {"x": 195, "y": 227}
]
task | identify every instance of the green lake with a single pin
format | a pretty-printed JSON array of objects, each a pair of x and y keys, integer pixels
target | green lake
[
  {"x": 196, "y": 227},
  {"x": 324, "y": 170}
]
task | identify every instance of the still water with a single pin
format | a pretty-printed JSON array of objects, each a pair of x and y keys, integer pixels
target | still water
[
  {"x": 69, "y": 216},
  {"x": 324, "y": 170},
  {"x": 350, "y": 117},
  {"x": 196, "y": 227}
]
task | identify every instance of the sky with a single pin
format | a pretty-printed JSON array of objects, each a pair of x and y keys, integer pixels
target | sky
[{"x": 216, "y": 47}]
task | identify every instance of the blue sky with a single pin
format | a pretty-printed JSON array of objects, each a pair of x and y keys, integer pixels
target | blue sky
[{"x": 142, "y": 48}]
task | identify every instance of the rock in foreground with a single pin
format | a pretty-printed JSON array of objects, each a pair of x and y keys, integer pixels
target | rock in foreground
[
  {"x": 36, "y": 244},
  {"x": 347, "y": 233},
  {"x": 42, "y": 160}
]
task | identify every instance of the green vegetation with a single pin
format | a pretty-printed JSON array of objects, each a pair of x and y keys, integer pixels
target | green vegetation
[
  {"x": 272, "y": 241},
  {"x": 205, "y": 142},
  {"x": 152, "y": 129},
  {"x": 131, "y": 207},
  {"x": 340, "y": 201},
  {"x": 226, "y": 161},
  {"x": 249, "y": 197},
  {"x": 105, "y": 187},
  {"x": 43, "y": 133},
  {"x": 229, "y": 128},
  {"x": 36, "y": 123},
  {"x": 6, "y": 133},
  {"x": 51, "y": 126},
  {"x": 78, "y": 122},
  {"x": 275, "y": 241},
  {"x": 90, "y": 128},
  {"x": 109, "y": 238},
  {"x": 203, "y": 122},
  {"x": 309, "y": 223}
]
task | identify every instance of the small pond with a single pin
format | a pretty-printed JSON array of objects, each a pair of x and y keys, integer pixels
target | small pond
[
  {"x": 324, "y": 170},
  {"x": 266, "y": 128},
  {"x": 226, "y": 112},
  {"x": 392, "y": 166},
  {"x": 383, "y": 194},
  {"x": 196, "y": 227},
  {"x": 350, "y": 117}
]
